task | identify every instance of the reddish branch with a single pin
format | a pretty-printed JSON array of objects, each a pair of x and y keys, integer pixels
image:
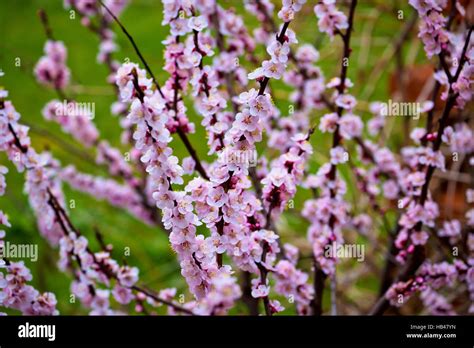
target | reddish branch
[
  {"x": 419, "y": 253},
  {"x": 263, "y": 271},
  {"x": 205, "y": 84},
  {"x": 319, "y": 275},
  {"x": 247, "y": 298},
  {"x": 437, "y": 86}
]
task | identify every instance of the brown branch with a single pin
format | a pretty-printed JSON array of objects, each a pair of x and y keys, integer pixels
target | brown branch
[
  {"x": 437, "y": 86},
  {"x": 419, "y": 253},
  {"x": 229, "y": 77},
  {"x": 44, "y": 20},
  {"x": 247, "y": 298},
  {"x": 280, "y": 39},
  {"x": 318, "y": 277},
  {"x": 151, "y": 295}
]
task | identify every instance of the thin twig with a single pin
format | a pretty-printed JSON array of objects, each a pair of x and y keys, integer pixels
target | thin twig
[
  {"x": 181, "y": 134},
  {"x": 135, "y": 47},
  {"x": 319, "y": 276}
]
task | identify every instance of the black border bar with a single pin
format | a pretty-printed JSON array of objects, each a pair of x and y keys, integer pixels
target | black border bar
[{"x": 292, "y": 331}]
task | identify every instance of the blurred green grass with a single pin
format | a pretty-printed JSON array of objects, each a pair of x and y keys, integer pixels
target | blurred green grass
[{"x": 22, "y": 37}]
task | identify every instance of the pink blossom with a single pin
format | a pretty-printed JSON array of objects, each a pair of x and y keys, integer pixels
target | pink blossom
[
  {"x": 260, "y": 290},
  {"x": 278, "y": 52},
  {"x": 350, "y": 126},
  {"x": 417, "y": 134},
  {"x": 329, "y": 122},
  {"x": 419, "y": 238},
  {"x": 346, "y": 101},
  {"x": 451, "y": 229},
  {"x": 128, "y": 276},
  {"x": 197, "y": 23},
  {"x": 330, "y": 19},
  {"x": 307, "y": 54},
  {"x": 50, "y": 73},
  {"x": 460, "y": 139},
  {"x": 260, "y": 106},
  {"x": 390, "y": 189},
  {"x": 122, "y": 295},
  {"x": 245, "y": 121},
  {"x": 272, "y": 69},
  {"x": 217, "y": 197},
  {"x": 335, "y": 82},
  {"x": 338, "y": 155}
]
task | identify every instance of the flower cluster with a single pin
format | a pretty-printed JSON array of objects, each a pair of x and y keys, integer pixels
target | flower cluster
[
  {"x": 279, "y": 186},
  {"x": 90, "y": 10},
  {"x": 205, "y": 82},
  {"x": 149, "y": 113},
  {"x": 99, "y": 21},
  {"x": 122, "y": 196},
  {"x": 41, "y": 169},
  {"x": 463, "y": 85},
  {"x": 328, "y": 215},
  {"x": 78, "y": 124},
  {"x": 460, "y": 139},
  {"x": 256, "y": 106},
  {"x": 328, "y": 212},
  {"x": 432, "y": 27},
  {"x": 330, "y": 19},
  {"x": 293, "y": 283},
  {"x": 430, "y": 276},
  {"x": 15, "y": 293},
  {"x": 44, "y": 191},
  {"x": 228, "y": 217},
  {"x": 421, "y": 211},
  {"x": 51, "y": 69},
  {"x": 449, "y": 46},
  {"x": 76, "y": 119},
  {"x": 94, "y": 273}
]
